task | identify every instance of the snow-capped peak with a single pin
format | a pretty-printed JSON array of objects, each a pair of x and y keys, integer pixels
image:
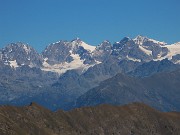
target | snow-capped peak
[
  {"x": 106, "y": 41},
  {"x": 174, "y": 49},
  {"x": 77, "y": 39},
  {"x": 18, "y": 54},
  {"x": 141, "y": 39},
  {"x": 26, "y": 48},
  {"x": 21, "y": 45},
  {"x": 79, "y": 42},
  {"x": 88, "y": 47}
]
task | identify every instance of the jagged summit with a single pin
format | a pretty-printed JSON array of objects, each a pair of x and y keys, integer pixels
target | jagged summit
[
  {"x": 58, "y": 55},
  {"x": 79, "y": 42},
  {"x": 143, "y": 39},
  {"x": 124, "y": 40},
  {"x": 19, "y": 54},
  {"x": 76, "y": 39},
  {"x": 19, "y": 45},
  {"x": 59, "y": 42},
  {"x": 106, "y": 41},
  {"x": 140, "y": 39}
]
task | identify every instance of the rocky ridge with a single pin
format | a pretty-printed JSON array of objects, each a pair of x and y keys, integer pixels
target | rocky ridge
[{"x": 132, "y": 119}]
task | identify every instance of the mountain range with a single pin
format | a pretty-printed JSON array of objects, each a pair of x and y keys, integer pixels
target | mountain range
[
  {"x": 76, "y": 54},
  {"x": 69, "y": 74}
]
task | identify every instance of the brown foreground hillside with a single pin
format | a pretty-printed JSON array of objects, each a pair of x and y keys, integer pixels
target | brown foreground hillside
[{"x": 132, "y": 119}]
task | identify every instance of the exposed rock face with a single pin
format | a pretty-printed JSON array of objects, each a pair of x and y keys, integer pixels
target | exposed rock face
[
  {"x": 57, "y": 53},
  {"x": 63, "y": 51},
  {"x": 19, "y": 54},
  {"x": 153, "y": 67},
  {"x": 132, "y": 119},
  {"x": 139, "y": 49},
  {"x": 176, "y": 59},
  {"x": 102, "y": 51}
]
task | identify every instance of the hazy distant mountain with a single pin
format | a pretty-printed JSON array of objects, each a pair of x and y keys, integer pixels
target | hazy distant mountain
[
  {"x": 159, "y": 90},
  {"x": 130, "y": 119}
]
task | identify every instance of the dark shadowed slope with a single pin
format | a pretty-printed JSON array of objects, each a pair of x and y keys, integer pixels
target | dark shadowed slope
[{"x": 132, "y": 119}]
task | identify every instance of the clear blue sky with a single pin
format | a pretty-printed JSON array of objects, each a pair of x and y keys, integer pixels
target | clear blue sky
[{"x": 40, "y": 22}]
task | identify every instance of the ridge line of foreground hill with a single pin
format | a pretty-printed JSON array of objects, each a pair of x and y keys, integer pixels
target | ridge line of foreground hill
[{"x": 131, "y": 119}]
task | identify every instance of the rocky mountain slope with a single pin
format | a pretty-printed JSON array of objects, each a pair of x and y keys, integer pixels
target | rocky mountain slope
[
  {"x": 160, "y": 91},
  {"x": 19, "y": 54},
  {"x": 132, "y": 119},
  {"x": 153, "y": 67}
]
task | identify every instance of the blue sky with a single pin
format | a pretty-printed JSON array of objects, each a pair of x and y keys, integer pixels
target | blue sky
[{"x": 40, "y": 22}]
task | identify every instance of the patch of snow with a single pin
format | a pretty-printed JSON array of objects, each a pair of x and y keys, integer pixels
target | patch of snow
[
  {"x": 133, "y": 59},
  {"x": 61, "y": 68},
  {"x": 83, "y": 44},
  {"x": 158, "y": 42},
  {"x": 57, "y": 42},
  {"x": 87, "y": 47},
  {"x": 148, "y": 52},
  {"x": 45, "y": 59},
  {"x": 31, "y": 65},
  {"x": 26, "y": 49},
  {"x": 106, "y": 41},
  {"x": 140, "y": 40},
  {"x": 177, "y": 62},
  {"x": 159, "y": 55},
  {"x": 10, "y": 50},
  {"x": 6, "y": 63},
  {"x": 97, "y": 62},
  {"x": 13, "y": 64},
  {"x": 173, "y": 50}
]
